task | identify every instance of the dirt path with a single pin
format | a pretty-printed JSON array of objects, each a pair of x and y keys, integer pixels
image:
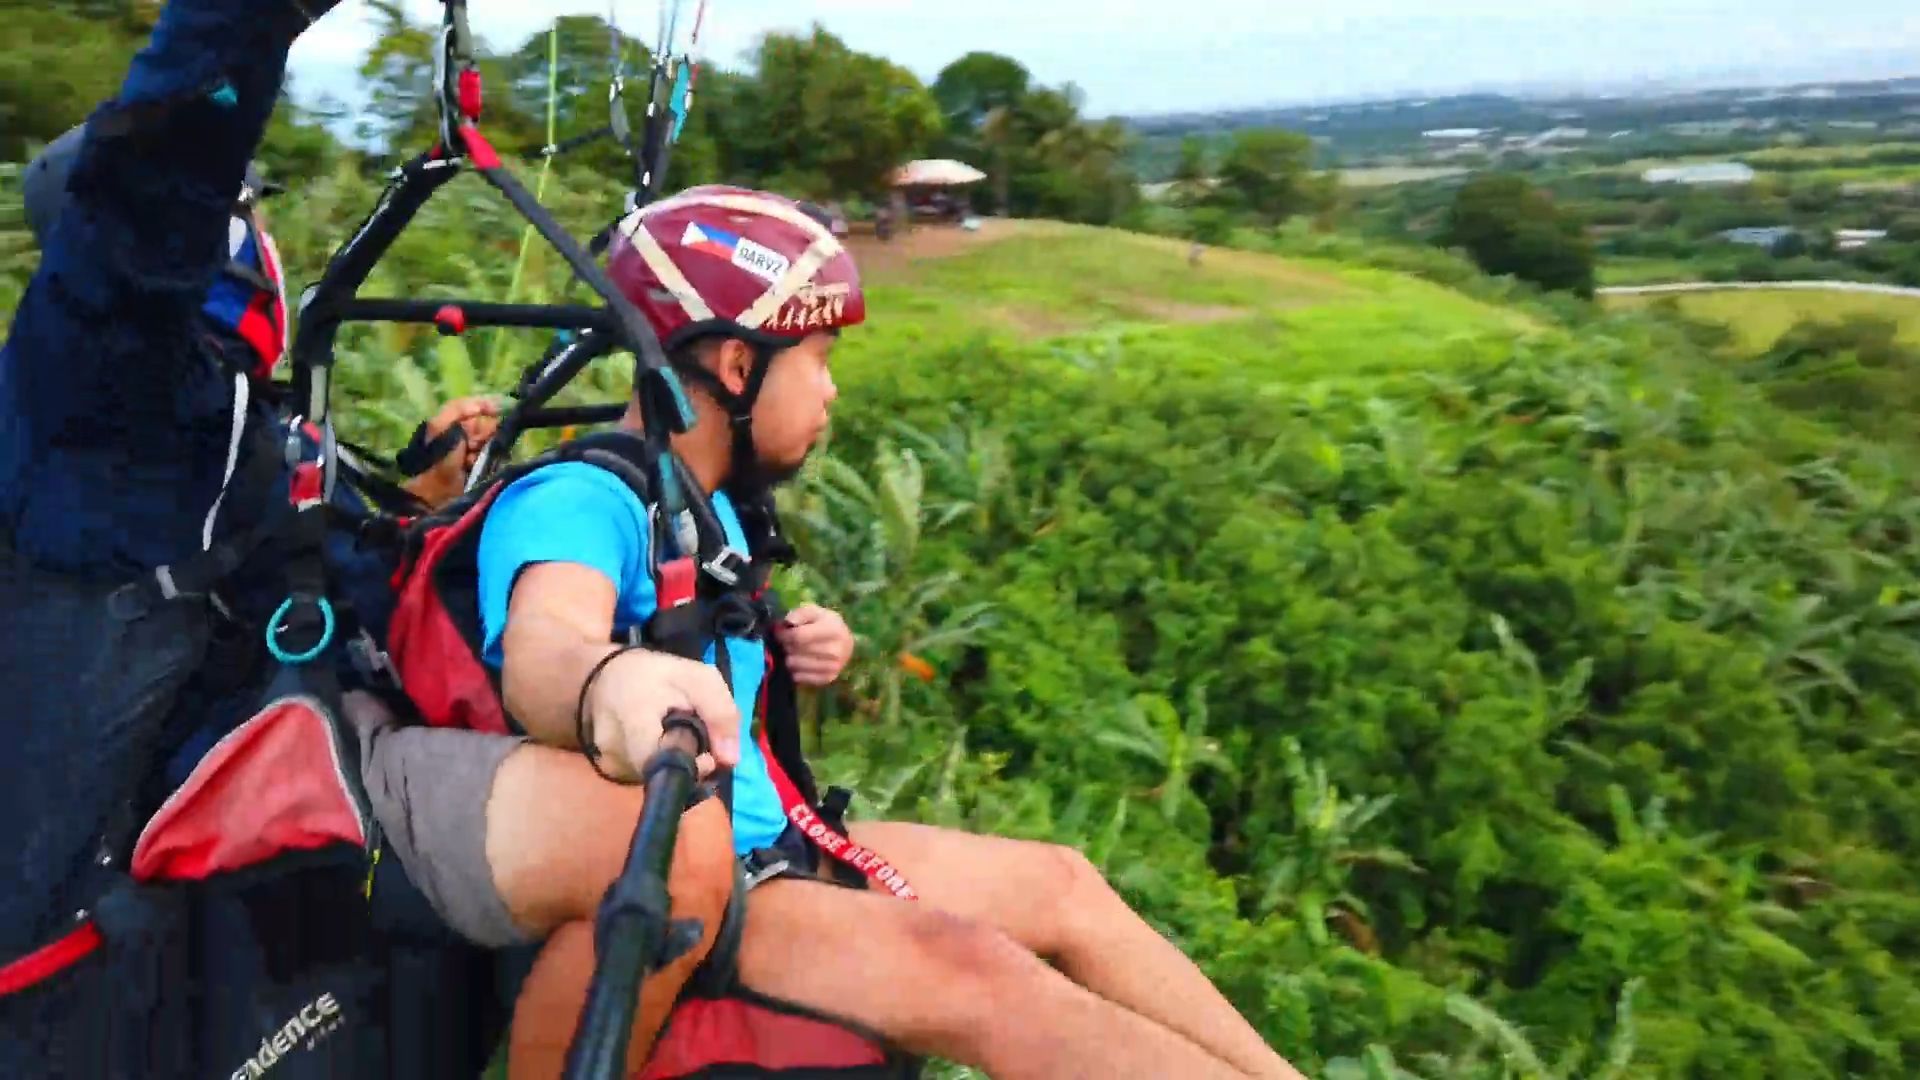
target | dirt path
[{"x": 883, "y": 261}]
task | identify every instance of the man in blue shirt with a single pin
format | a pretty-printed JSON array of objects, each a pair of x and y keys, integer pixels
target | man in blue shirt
[
  {"x": 584, "y": 515},
  {"x": 748, "y": 292}
]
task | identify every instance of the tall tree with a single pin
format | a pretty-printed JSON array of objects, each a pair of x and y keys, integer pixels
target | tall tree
[
  {"x": 978, "y": 95},
  {"x": 1061, "y": 166},
  {"x": 820, "y": 119},
  {"x": 1190, "y": 179},
  {"x": 398, "y": 74},
  {"x": 1087, "y": 177},
  {"x": 1509, "y": 226},
  {"x": 1266, "y": 173},
  {"x": 578, "y": 87},
  {"x": 972, "y": 87}
]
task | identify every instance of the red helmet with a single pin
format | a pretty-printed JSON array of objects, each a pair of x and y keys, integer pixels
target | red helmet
[{"x": 729, "y": 260}]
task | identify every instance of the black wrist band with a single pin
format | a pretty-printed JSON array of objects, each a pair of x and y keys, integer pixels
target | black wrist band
[{"x": 580, "y": 733}]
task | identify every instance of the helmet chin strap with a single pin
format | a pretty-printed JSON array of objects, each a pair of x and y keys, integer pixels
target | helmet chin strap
[{"x": 746, "y": 475}]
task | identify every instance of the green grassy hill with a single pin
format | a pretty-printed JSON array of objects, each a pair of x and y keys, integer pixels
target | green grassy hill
[
  {"x": 1475, "y": 691},
  {"x": 1758, "y": 317},
  {"x": 1040, "y": 281}
]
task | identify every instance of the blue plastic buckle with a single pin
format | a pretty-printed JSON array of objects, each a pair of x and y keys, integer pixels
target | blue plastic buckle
[{"x": 275, "y": 626}]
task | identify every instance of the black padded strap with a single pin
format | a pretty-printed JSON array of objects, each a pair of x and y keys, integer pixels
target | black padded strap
[
  {"x": 422, "y": 453},
  {"x": 383, "y": 493},
  {"x": 194, "y": 577}
]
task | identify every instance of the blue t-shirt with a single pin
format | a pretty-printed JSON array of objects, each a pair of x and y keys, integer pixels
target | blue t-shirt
[{"x": 579, "y": 513}]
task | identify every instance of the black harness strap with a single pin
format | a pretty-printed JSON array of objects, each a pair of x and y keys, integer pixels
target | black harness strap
[
  {"x": 421, "y": 453},
  {"x": 387, "y": 496}
]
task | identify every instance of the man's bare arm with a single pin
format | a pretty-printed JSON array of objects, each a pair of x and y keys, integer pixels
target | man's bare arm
[{"x": 559, "y": 627}]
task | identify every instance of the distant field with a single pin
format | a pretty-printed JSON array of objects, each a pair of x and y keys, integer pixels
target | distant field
[
  {"x": 1856, "y": 152},
  {"x": 1633, "y": 270},
  {"x": 1389, "y": 175},
  {"x": 1863, "y": 174},
  {"x": 1834, "y": 164},
  {"x": 1759, "y": 317}
]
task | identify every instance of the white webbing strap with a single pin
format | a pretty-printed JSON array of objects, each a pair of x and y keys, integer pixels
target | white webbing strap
[{"x": 241, "y": 391}]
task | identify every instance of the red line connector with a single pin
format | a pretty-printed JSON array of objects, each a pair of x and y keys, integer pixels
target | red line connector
[{"x": 472, "y": 94}]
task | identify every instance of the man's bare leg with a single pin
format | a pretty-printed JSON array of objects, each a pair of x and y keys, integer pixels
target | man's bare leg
[
  {"x": 1050, "y": 899},
  {"x": 939, "y": 985},
  {"x": 547, "y": 1013},
  {"x": 557, "y": 837}
]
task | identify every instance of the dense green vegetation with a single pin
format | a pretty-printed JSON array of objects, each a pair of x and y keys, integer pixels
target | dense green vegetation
[
  {"x": 1478, "y": 684},
  {"x": 1606, "y": 662},
  {"x": 1510, "y": 227},
  {"x": 1852, "y": 360}
]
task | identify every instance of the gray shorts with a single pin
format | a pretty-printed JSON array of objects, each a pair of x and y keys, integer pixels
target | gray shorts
[{"x": 429, "y": 789}]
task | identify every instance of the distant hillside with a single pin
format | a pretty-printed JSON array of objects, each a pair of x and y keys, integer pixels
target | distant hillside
[
  {"x": 1491, "y": 109},
  {"x": 1356, "y": 130}
]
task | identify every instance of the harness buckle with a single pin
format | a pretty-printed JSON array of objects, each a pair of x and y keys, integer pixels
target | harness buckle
[
  {"x": 736, "y": 616},
  {"x": 372, "y": 662},
  {"x": 727, "y": 566},
  {"x": 760, "y": 872},
  {"x": 292, "y": 615}
]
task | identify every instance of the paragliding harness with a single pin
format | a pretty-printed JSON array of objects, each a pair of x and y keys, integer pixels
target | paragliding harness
[{"x": 228, "y": 932}]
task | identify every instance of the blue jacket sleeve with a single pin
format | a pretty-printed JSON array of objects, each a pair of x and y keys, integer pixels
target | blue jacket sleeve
[{"x": 108, "y": 325}]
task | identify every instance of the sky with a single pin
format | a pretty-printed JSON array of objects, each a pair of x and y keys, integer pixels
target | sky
[{"x": 1138, "y": 57}]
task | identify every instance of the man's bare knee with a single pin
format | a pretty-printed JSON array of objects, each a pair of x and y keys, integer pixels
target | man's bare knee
[
  {"x": 1077, "y": 894},
  {"x": 977, "y": 969},
  {"x": 1074, "y": 873}
]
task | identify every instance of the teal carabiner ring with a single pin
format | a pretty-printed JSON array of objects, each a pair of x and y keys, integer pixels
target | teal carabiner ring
[{"x": 273, "y": 633}]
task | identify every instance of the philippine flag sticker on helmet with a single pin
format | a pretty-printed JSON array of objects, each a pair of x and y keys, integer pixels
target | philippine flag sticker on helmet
[
  {"x": 756, "y": 259},
  {"x": 710, "y": 240}
]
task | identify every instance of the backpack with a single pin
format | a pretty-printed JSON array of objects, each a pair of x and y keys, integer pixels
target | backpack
[
  {"x": 229, "y": 932},
  {"x": 705, "y": 589}
]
